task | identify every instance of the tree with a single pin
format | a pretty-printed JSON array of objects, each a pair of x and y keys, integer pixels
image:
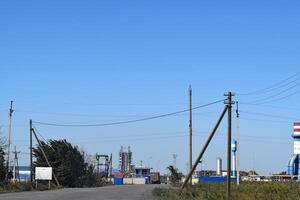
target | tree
[
  {"x": 2, "y": 162},
  {"x": 175, "y": 177},
  {"x": 67, "y": 162}
]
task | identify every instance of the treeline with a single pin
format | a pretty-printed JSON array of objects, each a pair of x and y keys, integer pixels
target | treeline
[{"x": 69, "y": 164}]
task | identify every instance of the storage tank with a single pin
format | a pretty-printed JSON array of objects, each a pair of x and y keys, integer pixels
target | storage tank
[{"x": 219, "y": 166}]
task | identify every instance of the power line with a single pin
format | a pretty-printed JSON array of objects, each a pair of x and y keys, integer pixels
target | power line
[
  {"x": 265, "y": 120},
  {"x": 271, "y": 87},
  {"x": 281, "y": 98},
  {"x": 277, "y": 94},
  {"x": 273, "y": 100},
  {"x": 270, "y": 106},
  {"x": 158, "y": 135},
  {"x": 269, "y": 115},
  {"x": 128, "y": 121},
  {"x": 37, "y": 131},
  {"x": 76, "y": 114}
]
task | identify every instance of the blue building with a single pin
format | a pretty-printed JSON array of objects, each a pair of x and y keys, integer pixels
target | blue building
[
  {"x": 143, "y": 172},
  {"x": 23, "y": 173}
]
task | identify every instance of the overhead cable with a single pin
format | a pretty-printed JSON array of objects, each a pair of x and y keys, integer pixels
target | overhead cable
[
  {"x": 273, "y": 86},
  {"x": 128, "y": 121}
]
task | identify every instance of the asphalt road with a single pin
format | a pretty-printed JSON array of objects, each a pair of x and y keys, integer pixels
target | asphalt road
[{"x": 122, "y": 192}]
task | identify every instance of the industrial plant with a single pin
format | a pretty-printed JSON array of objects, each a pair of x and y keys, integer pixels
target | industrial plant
[
  {"x": 128, "y": 173},
  {"x": 293, "y": 164}
]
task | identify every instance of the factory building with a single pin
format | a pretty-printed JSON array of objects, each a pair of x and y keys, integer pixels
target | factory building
[{"x": 293, "y": 164}]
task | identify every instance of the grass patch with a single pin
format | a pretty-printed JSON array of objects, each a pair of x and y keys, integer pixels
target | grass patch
[
  {"x": 15, "y": 187},
  {"x": 246, "y": 191}
]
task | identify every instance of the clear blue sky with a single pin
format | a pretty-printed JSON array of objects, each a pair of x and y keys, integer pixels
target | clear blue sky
[{"x": 105, "y": 61}]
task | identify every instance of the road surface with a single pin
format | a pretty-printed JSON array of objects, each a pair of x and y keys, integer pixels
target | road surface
[{"x": 122, "y": 192}]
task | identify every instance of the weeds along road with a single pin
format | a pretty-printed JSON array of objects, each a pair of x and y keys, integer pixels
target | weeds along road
[{"x": 122, "y": 192}]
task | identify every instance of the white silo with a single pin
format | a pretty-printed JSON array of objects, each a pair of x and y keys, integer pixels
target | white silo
[{"x": 219, "y": 166}]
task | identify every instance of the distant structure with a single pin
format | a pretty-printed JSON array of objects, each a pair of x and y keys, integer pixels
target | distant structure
[
  {"x": 293, "y": 165},
  {"x": 219, "y": 166},
  {"x": 174, "y": 160},
  {"x": 125, "y": 159},
  {"x": 23, "y": 173},
  {"x": 143, "y": 172}
]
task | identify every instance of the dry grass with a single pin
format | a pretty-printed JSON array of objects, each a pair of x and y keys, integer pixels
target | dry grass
[{"x": 246, "y": 191}]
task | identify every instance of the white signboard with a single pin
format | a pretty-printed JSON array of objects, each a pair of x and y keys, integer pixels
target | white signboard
[
  {"x": 296, "y": 147},
  {"x": 43, "y": 173}
]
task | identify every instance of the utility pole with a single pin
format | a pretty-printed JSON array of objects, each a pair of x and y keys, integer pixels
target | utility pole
[
  {"x": 30, "y": 149},
  {"x": 238, "y": 142},
  {"x": 228, "y": 103},
  {"x": 211, "y": 135},
  {"x": 9, "y": 138},
  {"x": 191, "y": 132},
  {"x": 110, "y": 168},
  {"x": 97, "y": 158},
  {"x": 16, "y": 165}
]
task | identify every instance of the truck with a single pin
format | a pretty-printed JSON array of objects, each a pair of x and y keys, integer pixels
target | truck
[{"x": 155, "y": 178}]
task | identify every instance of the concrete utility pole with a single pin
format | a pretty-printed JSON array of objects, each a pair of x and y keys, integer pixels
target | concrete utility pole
[
  {"x": 191, "y": 132},
  {"x": 9, "y": 138},
  {"x": 238, "y": 142},
  {"x": 16, "y": 165},
  {"x": 228, "y": 102}
]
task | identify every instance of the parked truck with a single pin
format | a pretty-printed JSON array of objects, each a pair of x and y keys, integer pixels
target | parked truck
[{"x": 155, "y": 178}]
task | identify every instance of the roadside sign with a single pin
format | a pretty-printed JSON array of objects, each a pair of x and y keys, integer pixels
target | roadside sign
[{"x": 43, "y": 173}]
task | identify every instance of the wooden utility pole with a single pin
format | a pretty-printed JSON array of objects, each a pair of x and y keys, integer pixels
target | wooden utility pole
[
  {"x": 98, "y": 164},
  {"x": 229, "y": 106},
  {"x": 211, "y": 135},
  {"x": 110, "y": 168},
  {"x": 191, "y": 132},
  {"x": 9, "y": 138},
  {"x": 30, "y": 149}
]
